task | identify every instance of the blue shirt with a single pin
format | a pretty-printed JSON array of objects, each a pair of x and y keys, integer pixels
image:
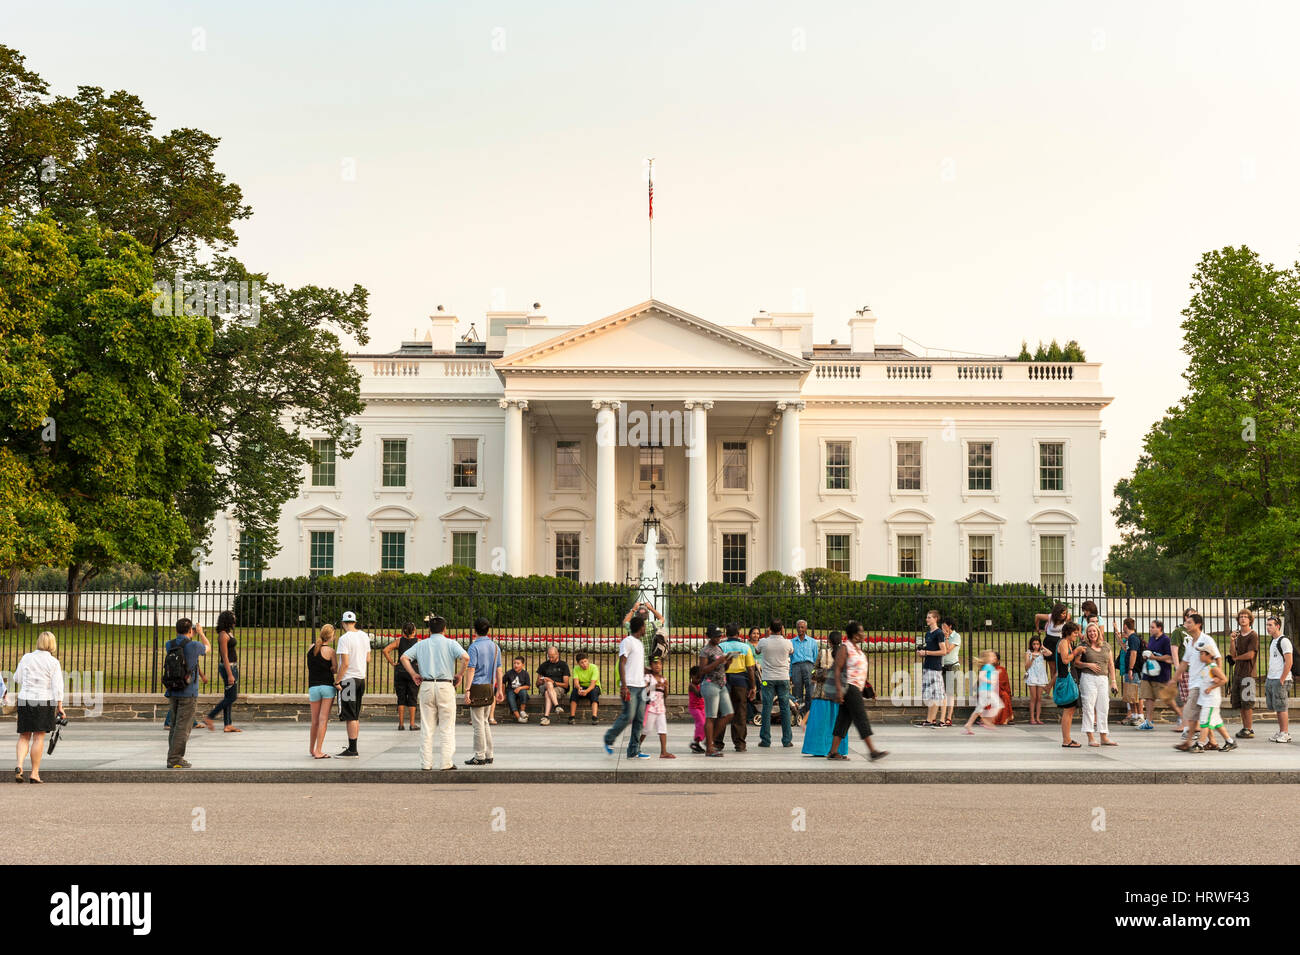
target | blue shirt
[
  {"x": 484, "y": 657},
  {"x": 805, "y": 649},
  {"x": 193, "y": 650},
  {"x": 435, "y": 658},
  {"x": 1159, "y": 647}
]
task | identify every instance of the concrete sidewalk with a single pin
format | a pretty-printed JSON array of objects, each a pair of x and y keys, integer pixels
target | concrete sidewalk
[{"x": 93, "y": 751}]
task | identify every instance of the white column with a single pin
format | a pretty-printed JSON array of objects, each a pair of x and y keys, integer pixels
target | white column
[
  {"x": 792, "y": 560},
  {"x": 512, "y": 486},
  {"x": 697, "y": 492},
  {"x": 774, "y": 492},
  {"x": 606, "y": 512}
]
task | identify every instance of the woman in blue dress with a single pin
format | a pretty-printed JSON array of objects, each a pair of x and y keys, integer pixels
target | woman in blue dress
[{"x": 820, "y": 726}]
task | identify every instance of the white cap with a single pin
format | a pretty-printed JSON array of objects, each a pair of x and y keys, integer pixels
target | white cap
[
  {"x": 1207, "y": 643},
  {"x": 349, "y": 617}
]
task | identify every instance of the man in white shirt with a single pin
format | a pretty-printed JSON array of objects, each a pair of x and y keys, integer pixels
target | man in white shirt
[
  {"x": 775, "y": 652},
  {"x": 350, "y": 659},
  {"x": 1278, "y": 682},
  {"x": 631, "y": 677},
  {"x": 1191, "y": 663}
]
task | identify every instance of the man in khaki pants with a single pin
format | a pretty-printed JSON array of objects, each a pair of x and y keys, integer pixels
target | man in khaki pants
[
  {"x": 483, "y": 685},
  {"x": 440, "y": 663}
]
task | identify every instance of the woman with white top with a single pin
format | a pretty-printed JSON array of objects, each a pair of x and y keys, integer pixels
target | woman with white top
[{"x": 39, "y": 679}]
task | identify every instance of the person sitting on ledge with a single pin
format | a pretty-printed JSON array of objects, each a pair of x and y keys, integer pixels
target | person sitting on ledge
[
  {"x": 517, "y": 684},
  {"x": 553, "y": 683},
  {"x": 586, "y": 687}
]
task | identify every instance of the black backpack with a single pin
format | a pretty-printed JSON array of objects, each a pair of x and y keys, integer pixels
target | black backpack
[{"x": 175, "y": 670}]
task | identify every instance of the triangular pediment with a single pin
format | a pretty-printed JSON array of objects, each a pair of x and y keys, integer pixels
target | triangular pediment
[
  {"x": 837, "y": 516},
  {"x": 981, "y": 516},
  {"x": 322, "y": 513},
  {"x": 463, "y": 514},
  {"x": 653, "y": 337}
]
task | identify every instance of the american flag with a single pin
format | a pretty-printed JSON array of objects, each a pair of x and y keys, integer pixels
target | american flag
[{"x": 650, "y": 178}]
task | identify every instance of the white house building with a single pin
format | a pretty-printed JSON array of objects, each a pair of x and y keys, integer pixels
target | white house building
[{"x": 537, "y": 451}]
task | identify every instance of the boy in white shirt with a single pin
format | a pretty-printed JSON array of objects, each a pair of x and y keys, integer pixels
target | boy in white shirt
[{"x": 1277, "y": 684}]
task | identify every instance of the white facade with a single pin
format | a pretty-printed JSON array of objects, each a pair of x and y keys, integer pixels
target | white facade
[{"x": 780, "y": 454}]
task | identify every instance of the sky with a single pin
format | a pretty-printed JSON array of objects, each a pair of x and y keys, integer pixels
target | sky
[{"x": 979, "y": 173}]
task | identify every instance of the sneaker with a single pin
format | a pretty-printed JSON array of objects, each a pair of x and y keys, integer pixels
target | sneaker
[
  {"x": 1283, "y": 738},
  {"x": 787, "y": 745},
  {"x": 594, "y": 721},
  {"x": 641, "y": 756},
  {"x": 1228, "y": 747},
  {"x": 1146, "y": 725},
  {"x": 763, "y": 745},
  {"x": 1246, "y": 734},
  {"x": 697, "y": 747},
  {"x": 545, "y": 721},
  {"x": 348, "y": 754},
  {"x": 180, "y": 764},
  {"x": 609, "y": 750},
  {"x": 523, "y": 717},
  {"x": 1184, "y": 734},
  {"x": 572, "y": 720},
  {"x": 1197, "y": 748},
  {"x": 475, "y": 761}
]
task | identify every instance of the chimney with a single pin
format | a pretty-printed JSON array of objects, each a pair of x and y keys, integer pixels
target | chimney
[
  {"x": 443, "y": 334},
  {"x": 862, "y": 331}
]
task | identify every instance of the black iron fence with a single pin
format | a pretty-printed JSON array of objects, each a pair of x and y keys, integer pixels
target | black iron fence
[{"x": 117, "y": 641}]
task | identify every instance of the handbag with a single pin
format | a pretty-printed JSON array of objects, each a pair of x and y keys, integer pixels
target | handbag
[
  {"x": 1065, "y": 692},
  {"x": 481, "y": 694}
]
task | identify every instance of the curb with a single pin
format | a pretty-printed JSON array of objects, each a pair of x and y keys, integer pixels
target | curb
[{"x": 692, "y": 777}]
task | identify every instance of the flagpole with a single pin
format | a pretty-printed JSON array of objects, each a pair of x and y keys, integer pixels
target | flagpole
[{"x": 651, "y": 182}]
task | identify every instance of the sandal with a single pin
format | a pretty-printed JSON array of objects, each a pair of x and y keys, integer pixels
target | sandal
[
  {"x": 714, "y": 753},
  {"x": 836, "y": 756},
  {"x": 34, "y": 779},
  {"x": 18, "y": 774},
  {"x": 1073, "y": 744},
  {"x": 667, "y": 756},
  {"x": 232, "y": 729}
]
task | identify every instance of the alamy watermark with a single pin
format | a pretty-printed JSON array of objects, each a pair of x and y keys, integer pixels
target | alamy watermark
[{"x": 240, "y": 302}]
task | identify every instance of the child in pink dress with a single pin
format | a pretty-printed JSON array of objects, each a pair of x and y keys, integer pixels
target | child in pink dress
[
  {"x": 697, "y": 711},
  {"x": 656, "y": 709}
]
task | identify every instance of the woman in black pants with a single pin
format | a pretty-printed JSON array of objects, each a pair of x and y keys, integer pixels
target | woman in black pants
[
  {"x": 228, "y": 669},
  {"x": 850, "y": 674}
]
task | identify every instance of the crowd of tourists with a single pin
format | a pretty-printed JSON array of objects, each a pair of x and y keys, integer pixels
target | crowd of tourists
[{"x": 760, "y": 678}]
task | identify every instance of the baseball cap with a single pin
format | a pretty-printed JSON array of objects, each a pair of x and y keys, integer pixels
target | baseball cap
[
  {"x": 1207, "y": 643},
  {"x": 712, "y": 632},
  {"x": 349, "y": 617}
]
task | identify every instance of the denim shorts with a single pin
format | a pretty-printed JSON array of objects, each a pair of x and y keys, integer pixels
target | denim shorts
[
  {"x": 320, "y": 693},
  {"x": 717, "y": 701}
]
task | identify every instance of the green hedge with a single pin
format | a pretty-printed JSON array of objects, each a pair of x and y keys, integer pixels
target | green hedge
[{"x": 823, "y": 598}]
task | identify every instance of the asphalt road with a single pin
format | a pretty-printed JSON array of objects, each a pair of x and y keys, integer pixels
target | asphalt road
[{"x": 385, "y": 823}]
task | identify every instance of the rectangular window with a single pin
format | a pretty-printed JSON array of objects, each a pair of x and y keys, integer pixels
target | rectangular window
[
  {"x": 651, "y": 468},
  {"x": 981, "y": 559},
  {"x": 837, "y": 552},
  {"x": 322, "y": 554},
  {"x": 464, "y": 462},
  {"x": 909, "y": 555},
  {"x": 735, "y": 559},
  {"x": 1051, "y": 466},
  {"x": 395, "y": 463},
  {"x": 322, "y": 463},
  {"x": 979, "y": 466},
  {"x": 568, "y": 465},
  {"x": 1051, "y": 561},
  {"x": 909, "y": 465},
  {"x": 735, "y": 465},
  {"x": 392, "y": 550},
  {"x": 464, "y": 549},
  {"x": 250, "y": 557},
  {"x": 567, "y": 554},
  {"x": 838, "y": 470}
]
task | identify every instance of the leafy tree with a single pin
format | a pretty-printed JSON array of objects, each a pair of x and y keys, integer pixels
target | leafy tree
[
  {"x": 125, "y": 445},
  {"x": 1024, "y": 352},
  {"x": 1219, "y": 479},
  {"x": 34, "y": 527},
  {"x": 93, "y": 158},
  {"x": 260, "y": 387}
]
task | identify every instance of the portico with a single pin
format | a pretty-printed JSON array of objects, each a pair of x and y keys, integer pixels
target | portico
[{"x": 602, "y": 412}]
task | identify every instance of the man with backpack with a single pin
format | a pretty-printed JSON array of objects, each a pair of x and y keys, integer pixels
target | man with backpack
[
  {"x": 180, "y": 680},
  {"x": 1129, "y": 668},
  {"x": 1281, "y": 673}
]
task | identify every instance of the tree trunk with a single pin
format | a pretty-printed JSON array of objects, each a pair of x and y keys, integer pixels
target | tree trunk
[
  {"x": 8, "y": 597},
  {"x": 75, "y": 581}
]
